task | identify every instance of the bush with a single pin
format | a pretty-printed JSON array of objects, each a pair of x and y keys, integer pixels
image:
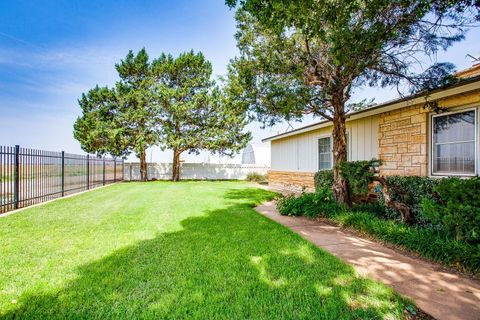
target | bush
[
  {"x": 410, "y": 191},
  {"x": 446, "y": 215},
  {"x": 375, "y": 208},
  {"x": 428, "y": 243},
  {"x": 323, "y": 179},
  {"x": 320, "y": 203},
  {"x": 359, "y": 175},
  {"x": 456, "y": 208},
  {"x": 256, "y": 177}
]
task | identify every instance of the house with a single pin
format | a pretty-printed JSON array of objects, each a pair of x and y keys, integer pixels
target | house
[{"x": 406, "y": 136}]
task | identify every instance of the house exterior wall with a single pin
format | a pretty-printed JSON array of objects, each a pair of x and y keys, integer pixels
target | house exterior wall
[
  {"x": 404, "y": 137},
  {"x": 400, "y": 138},
  {"x": 403, "y": 142},
  {"x": 289, "y": 178},
  {"x": 295, "y": 158}
]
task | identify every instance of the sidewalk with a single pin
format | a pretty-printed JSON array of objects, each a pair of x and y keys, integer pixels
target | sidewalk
[{"x": 441, "y": 294}]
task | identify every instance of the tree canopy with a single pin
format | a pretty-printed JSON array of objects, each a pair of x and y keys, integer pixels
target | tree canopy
[
  {"x": 194, "y": 112},
  {"x": 123, "y": 119},
  {"x": 171, "y": 102},
  {"x": 307, "y": 56}
]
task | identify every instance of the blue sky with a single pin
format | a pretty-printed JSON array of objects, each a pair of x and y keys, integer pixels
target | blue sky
[{"x": 52, "y": 51}]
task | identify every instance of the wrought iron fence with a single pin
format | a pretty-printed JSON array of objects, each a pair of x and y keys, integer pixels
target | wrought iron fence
[{"x": 30, "y": 176}]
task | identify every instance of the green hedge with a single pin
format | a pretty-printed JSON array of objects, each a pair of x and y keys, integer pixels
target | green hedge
[
  {"x": 323, "y": 179},
  {"x": 316, "y": 204},
  {"x": 411, "y": 191},
  {"x": 455, "y": 208},
  {"x": 428, "y": 243}
]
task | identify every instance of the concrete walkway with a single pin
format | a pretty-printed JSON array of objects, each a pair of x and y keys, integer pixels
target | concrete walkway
[{"x": 441, "y": 294}]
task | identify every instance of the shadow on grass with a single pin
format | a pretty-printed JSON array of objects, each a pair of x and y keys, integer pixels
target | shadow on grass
[{"x": 231, "y": 263}]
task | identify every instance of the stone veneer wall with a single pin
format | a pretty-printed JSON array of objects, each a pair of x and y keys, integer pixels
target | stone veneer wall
[
  {"x": 403, "y": 142},
  {"x": 291, "y": 178},
  {"x": 403, "y": 136}
]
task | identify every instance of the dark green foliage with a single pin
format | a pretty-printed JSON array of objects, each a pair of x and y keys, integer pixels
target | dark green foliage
[
  {"x": 359, "y": 174},
  {"x": 289, "y": 205},
  {"x": 428, "y": 243},
  {"x": 195, "y": 113},
  {"x": 123, "y": 119},
  {"x": 411, "y": 191},
  {"x": 323, "y": 179},
  {"x": 457, "y": 208},
  {"x": 375, "y": 208},
  {"x": 308, "y": 56},
  {"x": 320, "y": 203},
  {"x": 256, "y": 177},
  {"x": 446, "y": 230}
]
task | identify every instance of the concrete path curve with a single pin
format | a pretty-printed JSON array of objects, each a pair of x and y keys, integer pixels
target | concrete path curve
[{"x": 443, "y": 295}]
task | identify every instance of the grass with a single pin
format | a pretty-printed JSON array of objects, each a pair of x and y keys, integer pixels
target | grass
[{"x": 192, "y": 250}]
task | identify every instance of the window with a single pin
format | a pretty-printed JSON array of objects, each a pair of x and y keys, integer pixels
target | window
[
  {"x": 325, "y": 153},
  {"x": 453, "y": 145}
]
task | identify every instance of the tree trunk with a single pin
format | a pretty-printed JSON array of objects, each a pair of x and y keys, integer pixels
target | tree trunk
[
  {"x": 176, "y": 165},
  {"x": 339, "y": 134},
  {"x": 143, "y": 166},
  {"x": 401, "y": 208}
]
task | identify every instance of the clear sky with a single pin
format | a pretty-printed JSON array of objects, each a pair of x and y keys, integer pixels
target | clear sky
[{"x": 52, "y": 51}]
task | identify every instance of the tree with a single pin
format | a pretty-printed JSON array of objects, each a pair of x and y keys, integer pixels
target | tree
[
  {"x": 94, "y": 129},
  {"x": 306, "y": 57},
  {"x": 123, "y": 119},
  {"x": 195, "y": 114}
]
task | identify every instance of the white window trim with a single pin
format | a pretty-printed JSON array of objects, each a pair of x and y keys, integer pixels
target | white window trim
[
  {"x": 329, "y": 136},
  {"x": 349, "y": 151},
  {"x": 432, "y": 145}
]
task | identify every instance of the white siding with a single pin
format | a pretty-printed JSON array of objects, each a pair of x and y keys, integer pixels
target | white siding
[{"x": 300, "y": 152}]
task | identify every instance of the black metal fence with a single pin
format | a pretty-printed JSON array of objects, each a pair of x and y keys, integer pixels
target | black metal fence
[{"x": 29, "y": 176}]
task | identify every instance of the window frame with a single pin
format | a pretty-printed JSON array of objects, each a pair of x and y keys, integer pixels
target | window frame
[
  {"x": 432, "y": 144},
  {"x": 330, "y": 136}
]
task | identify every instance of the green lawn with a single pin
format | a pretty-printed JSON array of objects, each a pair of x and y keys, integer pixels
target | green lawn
[{"x": 174, "y": 250}]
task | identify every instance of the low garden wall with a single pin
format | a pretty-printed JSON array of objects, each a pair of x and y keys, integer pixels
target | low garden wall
[{"x": 195, "y": 171}]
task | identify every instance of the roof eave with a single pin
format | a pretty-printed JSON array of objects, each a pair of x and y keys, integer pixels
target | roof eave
[{"x": 462, "y": 87}]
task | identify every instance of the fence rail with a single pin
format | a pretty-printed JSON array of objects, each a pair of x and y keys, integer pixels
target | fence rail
[{"x": 30, "y": 176}]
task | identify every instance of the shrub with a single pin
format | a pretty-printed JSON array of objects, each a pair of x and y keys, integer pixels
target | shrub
[
  {"x": 375, "y": 208},
  {"x": 256, "y": 177},
  {"x": 289, "y": 205},
  {"x": 410, "y": 191},
  {"x": 320, "y": 203},
  {"x": 323, "y": 179},
  {"x": 358, "y": 174},
  {"x": 428, "y": 243},
  {"x": 457, "y": 208}
]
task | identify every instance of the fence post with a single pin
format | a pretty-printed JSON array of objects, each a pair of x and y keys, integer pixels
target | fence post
[
  {"x": 114, "y": 170},
  {"x": 123, "y": 169},
  {"x": 104, "y": 170},
  {"x": 16, "y": 185},
  {"x": 63, "y": 173},
  {"x": 88, "y": 171}
]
